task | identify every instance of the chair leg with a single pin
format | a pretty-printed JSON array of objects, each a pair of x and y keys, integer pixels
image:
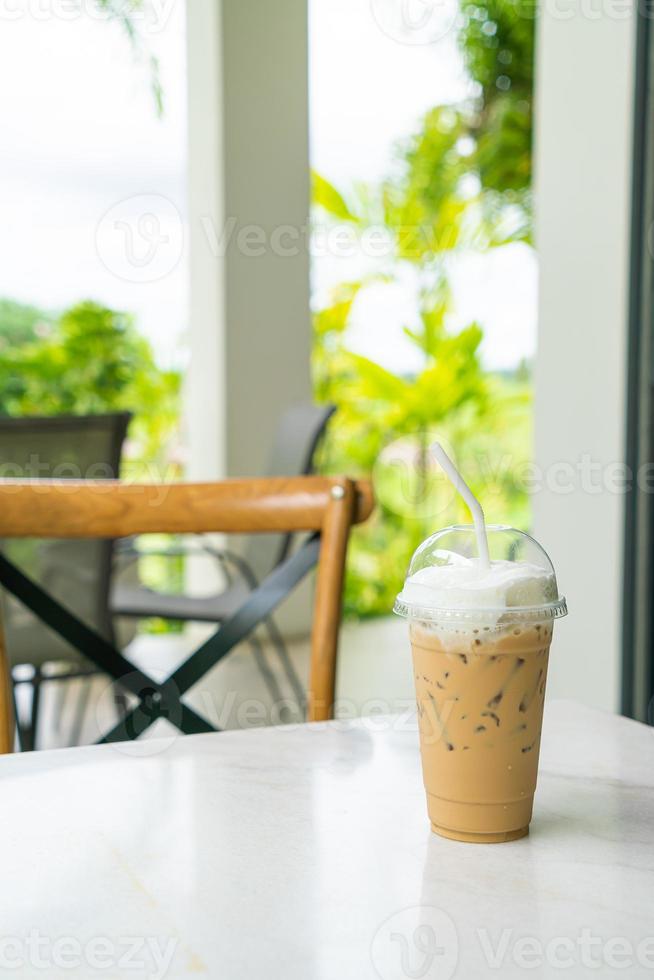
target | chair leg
[
  {"x": 80, "y": 710},
  {"x": 7, "y": 700},
  {"x": 27, "y": 730},
  {"x": 59, "y": 698},
  {"x": 285, "y": 660},
  {"x": 20, "y": 733},
  {"x": 35, "y": 707},
  {"x": 265, "y": 671}
]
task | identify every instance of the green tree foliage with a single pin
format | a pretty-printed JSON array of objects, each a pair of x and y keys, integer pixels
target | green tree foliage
[
  {"x": 20, "y": 323},
  {"x": 87, "y": 361},
  {"x": 487, "y": 138},
  {"x": 427, "y": 203},
  {"x": 497, "y": 41},
  {"x": 462, "y": 183}
]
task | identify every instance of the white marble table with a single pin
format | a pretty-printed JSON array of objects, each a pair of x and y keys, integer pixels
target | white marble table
[{"x": 305, "y": 853}]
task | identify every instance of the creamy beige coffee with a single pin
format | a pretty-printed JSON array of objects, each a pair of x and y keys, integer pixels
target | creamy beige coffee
[
  {"x": 480, "y": 700},
  {"x": 480, "y": 635}
]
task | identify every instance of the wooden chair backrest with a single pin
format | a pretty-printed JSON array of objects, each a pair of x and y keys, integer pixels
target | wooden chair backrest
[{"x": 111, "y": 509}]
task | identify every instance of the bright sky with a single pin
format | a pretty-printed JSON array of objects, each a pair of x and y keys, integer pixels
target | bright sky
[
  {"x": 369, "y": 89},
  {"x": 80, "y": 136},
  {"x": 83, "y": 150}
]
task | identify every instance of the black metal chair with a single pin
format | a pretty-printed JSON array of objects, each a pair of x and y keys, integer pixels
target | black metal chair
[
  {"x": 293, "y": 453},
  {"x": 77, "y": 573}
]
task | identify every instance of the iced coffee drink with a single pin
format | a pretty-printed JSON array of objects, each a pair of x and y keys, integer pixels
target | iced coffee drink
[{"x": 480, "y": 635}]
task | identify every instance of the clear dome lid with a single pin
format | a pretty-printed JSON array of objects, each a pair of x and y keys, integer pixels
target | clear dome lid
[{"x": 447, "y": 581}]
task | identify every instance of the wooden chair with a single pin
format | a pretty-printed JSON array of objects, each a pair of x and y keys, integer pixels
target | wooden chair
[{"x": 324, "y": 507}]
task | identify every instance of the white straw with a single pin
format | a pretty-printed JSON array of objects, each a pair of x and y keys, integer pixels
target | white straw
[{"x": 469, "y": 497}]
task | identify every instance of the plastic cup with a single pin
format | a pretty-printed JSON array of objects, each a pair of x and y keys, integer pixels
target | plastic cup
[{"x": 480, "y": 672}]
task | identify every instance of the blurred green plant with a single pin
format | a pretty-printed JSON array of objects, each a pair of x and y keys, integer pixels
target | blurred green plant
[
  {"x": 20, "y": 323},
  {"x": 463, "y": 183},
  {"x": 90, "y": 360},
  {"x": 497, "y": 39}
]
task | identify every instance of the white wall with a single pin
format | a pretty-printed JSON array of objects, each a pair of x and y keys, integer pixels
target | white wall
[
  {"x": 583, "y": 170},
  {"x": 249, "y": 181},
  {"x": 205, "y": 407}
]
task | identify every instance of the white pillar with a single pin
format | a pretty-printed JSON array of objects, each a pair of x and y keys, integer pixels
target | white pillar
[
  {"x": 250, "y": 332},
  {"x": 204, "y": 389},
  {"x": 584, "y": 116}
]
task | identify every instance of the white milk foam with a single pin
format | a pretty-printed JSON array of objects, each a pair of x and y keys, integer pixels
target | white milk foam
[{"x": 464, "y": 583}]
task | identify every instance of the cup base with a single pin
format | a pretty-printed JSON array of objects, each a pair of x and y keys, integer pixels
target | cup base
[
  {"x": 486, "y": 823},
  {"x": 500, "y": 837}
]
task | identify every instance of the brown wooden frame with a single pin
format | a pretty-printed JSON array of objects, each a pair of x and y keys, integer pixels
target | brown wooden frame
[{"x": 111, "y": 509}]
